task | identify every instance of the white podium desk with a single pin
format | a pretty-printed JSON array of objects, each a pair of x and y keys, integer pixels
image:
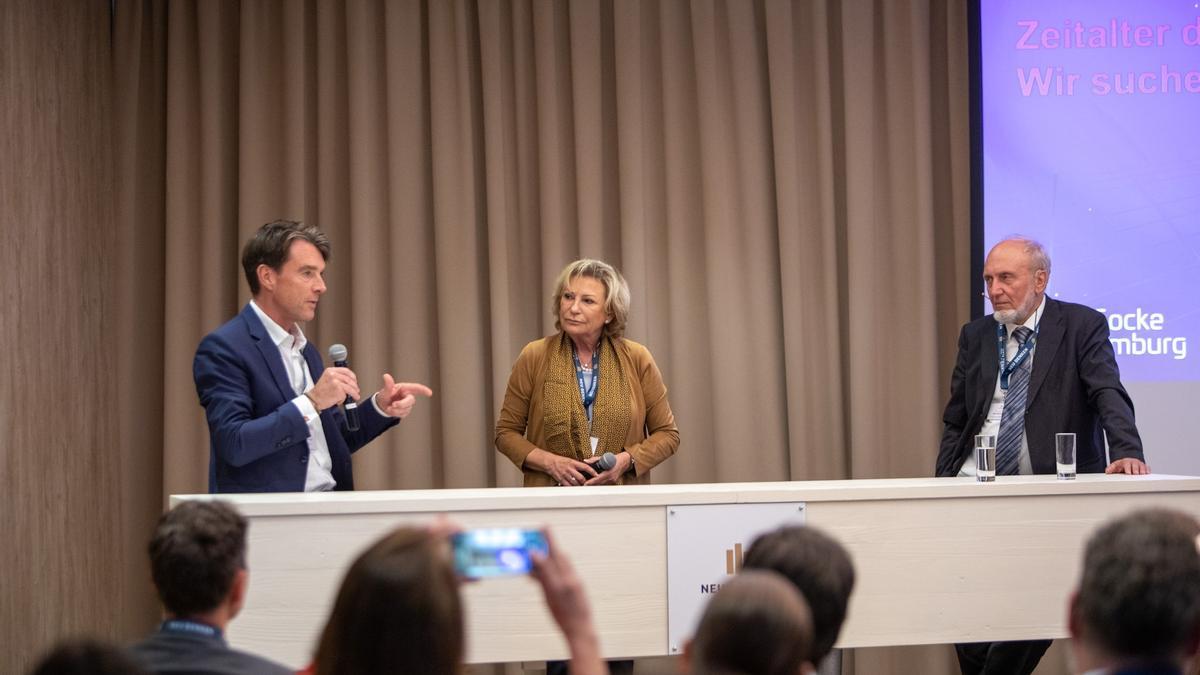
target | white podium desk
[{"x": 938, "y": 560}]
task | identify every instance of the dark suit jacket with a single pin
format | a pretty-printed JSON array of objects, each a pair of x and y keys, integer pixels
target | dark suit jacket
[
  {"x": 258, "y": 438},
  {"x": 165, "y": 652},
  {"x": 1075, "y": 387}
]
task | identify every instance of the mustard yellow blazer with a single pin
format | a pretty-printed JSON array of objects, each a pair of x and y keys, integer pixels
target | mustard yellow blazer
[{"x": 652, "y": 435}]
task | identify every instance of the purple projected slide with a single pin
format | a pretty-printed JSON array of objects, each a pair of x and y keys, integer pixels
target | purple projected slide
[{"x": 1091, "y": 144}]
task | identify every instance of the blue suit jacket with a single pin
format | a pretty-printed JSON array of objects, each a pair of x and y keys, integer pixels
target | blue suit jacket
[
  {"x": 1074, "y": 386},
  {"x": 258, "y": 438}
]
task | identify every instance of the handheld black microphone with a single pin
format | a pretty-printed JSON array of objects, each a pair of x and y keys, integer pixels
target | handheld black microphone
[
  {"x": 338, "y": 354},
  {"x": 606, "y": 461}
]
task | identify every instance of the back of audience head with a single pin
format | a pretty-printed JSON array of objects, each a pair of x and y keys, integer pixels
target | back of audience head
[
  {"x": 86, "y": 657},
  {"x": 819, "y": 567},
  {"x": 1138, "y": 599},
  {"x": 198, "y": 559},
  {"x": 398, "y": 611},
  {"x": 757, "y": 624}
]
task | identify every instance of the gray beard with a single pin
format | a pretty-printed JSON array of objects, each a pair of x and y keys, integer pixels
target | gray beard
[
  {"x": 1014, "y": 315},
  {"x": 1006, "y": 315}
]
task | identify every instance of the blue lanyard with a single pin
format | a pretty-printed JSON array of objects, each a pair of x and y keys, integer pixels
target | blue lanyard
[
  {"x": 1006, "y": 368},
  {"x": 588, "y": 393},
  {"x": 189, "y": 627}
]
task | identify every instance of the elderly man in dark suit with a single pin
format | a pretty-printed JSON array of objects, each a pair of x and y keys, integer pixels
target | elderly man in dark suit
[
  {"x": 1033, "y": 368},
  {"x": 272, "y": 407}
]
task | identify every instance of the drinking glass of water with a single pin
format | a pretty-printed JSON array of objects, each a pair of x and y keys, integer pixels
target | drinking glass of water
[
  {"x": 1064, "y": 455},
  {"x": 985, "y": 458}
]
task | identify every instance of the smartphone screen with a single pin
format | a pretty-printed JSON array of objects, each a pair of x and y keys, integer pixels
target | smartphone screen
[{"x": 496, "y": 552}]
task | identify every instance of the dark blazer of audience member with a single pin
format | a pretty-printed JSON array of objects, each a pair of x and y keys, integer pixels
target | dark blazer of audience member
[
  {"x": 198, "y": 563},
  {"x": 87, "y": 657},
  {"x": 757, "y": 624},
  {"x": 1137, "y": 608},
  {"x": 274, "y": 420},
  {"x": 399, "y": 610},
  {"x": 586, "y": 390},
  {"x": 819, "y": 567}
]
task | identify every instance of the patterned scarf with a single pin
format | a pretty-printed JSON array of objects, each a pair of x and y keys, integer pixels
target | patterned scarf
[{"x": 565, "y": 420}]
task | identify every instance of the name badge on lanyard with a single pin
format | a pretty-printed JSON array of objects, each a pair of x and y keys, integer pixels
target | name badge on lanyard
[
  {"x": 189, "y": 627},
  {"x": 1006, "y": 367}
]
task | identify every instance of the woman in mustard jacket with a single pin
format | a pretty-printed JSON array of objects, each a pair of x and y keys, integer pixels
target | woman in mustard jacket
[{"x": 586, "y": 390}]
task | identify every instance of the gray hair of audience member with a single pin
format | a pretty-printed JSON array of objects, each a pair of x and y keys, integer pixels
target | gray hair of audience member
[
  {"x": 272, "y": 244},
  {"x": 197, "y": 550},
  {"x": 819, "y": 567},
  {"x": 616, "y": 293},
  {"x": 1139, "y": 596},
  {"x": 1039, "y": 259},
  {"x": 757, "y": 624},
  {"x": 86, "y": 657}
]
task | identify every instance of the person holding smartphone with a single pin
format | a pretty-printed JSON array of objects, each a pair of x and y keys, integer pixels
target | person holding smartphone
[
  {"x": 586, "y": 390},
  {"x": 399, "y": 609}
]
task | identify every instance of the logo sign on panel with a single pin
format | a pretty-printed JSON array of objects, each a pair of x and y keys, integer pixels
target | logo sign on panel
[{"x": 705, "y": 544}]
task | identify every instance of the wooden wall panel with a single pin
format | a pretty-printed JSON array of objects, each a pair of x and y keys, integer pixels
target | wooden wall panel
[{"x": 65, "y": 568}]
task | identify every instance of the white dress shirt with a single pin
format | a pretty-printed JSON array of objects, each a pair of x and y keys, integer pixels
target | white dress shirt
[{"x": 291, "y": 350}]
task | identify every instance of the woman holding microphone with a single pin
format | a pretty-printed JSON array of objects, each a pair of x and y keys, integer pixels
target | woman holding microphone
[{"x": 586, "y": 390}]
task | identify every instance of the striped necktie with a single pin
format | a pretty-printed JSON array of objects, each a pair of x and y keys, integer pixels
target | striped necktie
[{"x": 1012, "y": 420}]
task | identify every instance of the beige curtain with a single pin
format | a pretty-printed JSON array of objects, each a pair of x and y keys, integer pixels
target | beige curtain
[{"x": 784, "y": 184}]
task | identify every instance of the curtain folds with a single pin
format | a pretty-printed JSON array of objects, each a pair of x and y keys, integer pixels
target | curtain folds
[{"x": 783, "y": 183}]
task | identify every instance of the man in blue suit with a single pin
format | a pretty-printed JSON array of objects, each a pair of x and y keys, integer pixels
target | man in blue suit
[{"x": 273, "y": 416}]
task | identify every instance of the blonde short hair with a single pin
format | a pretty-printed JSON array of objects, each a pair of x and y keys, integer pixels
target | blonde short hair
[{"x": 616, "y": 292}]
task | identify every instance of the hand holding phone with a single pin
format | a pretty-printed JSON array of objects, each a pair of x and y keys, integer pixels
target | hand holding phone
[{"x": 494, "y": 552}]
